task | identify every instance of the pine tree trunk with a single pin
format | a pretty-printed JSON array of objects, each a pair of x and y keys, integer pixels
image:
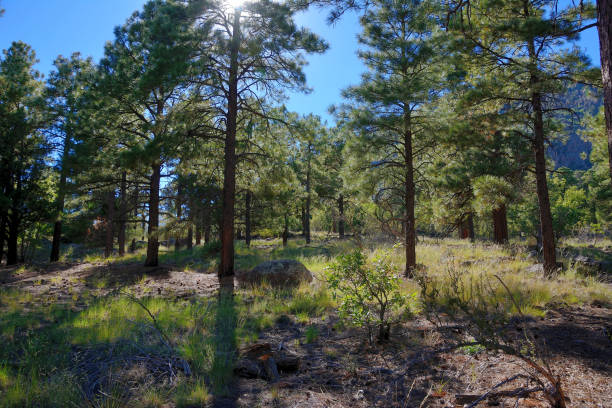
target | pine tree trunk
[
  {"x": 500, "y": 225},
  {"x": 303, "y": 221},
  {"x": 153, "y": 239},
  {"x": 207, "y": 227},
  {"x": 190, "y": 238},
  {"x": 2, "y": 235},
  {"x": 198, "y": 231},
  {"x": 470, "y": 227},
  {"x": 13, "y": 237},
  {"x": 226, "y": 266},
  {"x": 123, "y": 215},
  {"x": 110, "y": 215},
  {"x": 286, "y": 231},
  {"x": 57, "y": 226},
  {"x": 546, "y": 224},
  {"x": 548, "y": 236},
  {"x": 604, "y": 28},
  {"x": 14, "y": 220},
  {"x": 59, "y": 204},
  {"x": 247, "y": 219},
  {"x": 179, "y": 215},
  {"x": 341, "y": 217},
  {"x": 308, "y": 203},
  {"x": 409, "y": 193}
]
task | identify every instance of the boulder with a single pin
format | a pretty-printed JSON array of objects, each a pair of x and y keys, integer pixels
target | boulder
[
  {"x": 587, "y": 266},
  {"x": 282, "y": 272},
  {"x": 535, "y": 268}
]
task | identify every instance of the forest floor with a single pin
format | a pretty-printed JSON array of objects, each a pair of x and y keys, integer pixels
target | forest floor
[{"x": 80, "y": 333}]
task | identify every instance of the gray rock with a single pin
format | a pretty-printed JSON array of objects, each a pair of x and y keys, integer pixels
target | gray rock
[
  {"x": 282, "y": 272},
  {"x": 535, "y": 268},
  {"x": 586, "y": 265}
]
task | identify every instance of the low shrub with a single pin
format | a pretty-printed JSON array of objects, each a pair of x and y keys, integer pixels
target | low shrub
[{"x": 368, "y": 293}]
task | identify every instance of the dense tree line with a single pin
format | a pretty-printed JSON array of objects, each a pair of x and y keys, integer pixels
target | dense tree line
[{"x": 178, "y": 134}]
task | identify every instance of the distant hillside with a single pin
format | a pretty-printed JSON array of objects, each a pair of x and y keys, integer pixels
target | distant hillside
[{"x": 571, "y": 151}]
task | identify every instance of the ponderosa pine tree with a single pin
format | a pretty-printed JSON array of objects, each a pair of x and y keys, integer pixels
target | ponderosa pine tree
[
  {"x": 391, "y": 117},
  {"x": 23, "y": 147},
  {"x": 65, "y": 92},
  {"x": 309, "y": 140},
  {"x": 146, "y": 72},
  {"x": 604, "y": 29},
  {"x": 520, "y": 45},
  {"x": 257, "y": 53}
]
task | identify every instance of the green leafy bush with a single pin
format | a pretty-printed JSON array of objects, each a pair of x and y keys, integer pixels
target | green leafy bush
[{"x": 368, "y": 293}]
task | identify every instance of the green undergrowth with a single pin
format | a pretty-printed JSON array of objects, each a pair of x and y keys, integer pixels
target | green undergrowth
[
  {"x": 43, "y": 346},
  {"x": 44, "y": 343}
]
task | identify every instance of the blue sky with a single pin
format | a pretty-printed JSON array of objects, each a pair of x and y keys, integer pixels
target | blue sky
[{"x": 54, "y": 27}]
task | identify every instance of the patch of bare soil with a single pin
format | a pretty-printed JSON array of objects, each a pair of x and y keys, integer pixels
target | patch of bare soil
[
  {"x": 66, "y": 281},
  {"x": 417, "y": 369}
]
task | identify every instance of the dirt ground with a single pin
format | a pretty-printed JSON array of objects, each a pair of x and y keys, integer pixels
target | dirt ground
[{"x": 341, "y": 369}]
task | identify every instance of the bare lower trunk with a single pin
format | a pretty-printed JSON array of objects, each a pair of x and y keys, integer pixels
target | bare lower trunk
[
  {"x": 247, "y": 219},
  {"x": 539, "y": 149},
  {"x": 179, "y": 215},
  {"x": 57, "y": 237},
  {"x": 470, "y": 222},
  {"x": 13, "y": 237},
  {"x": 190, "y": 238},
  {"x": 2, "y": 236},
  {"x": 286, "y": 231},
  {"x": 341, "y": 217},
  {"x": 207, "y": 228},
  {"x": 153, "y": 243},
  {"x": 500, "y": 225},
  {"x": 123, "y": 215},
  {"x": 226, "y": 266},
  {"x": 198, "y": 233},
  {"x": 59, "y": 204},
  {"x": 604, "y": 28},
  {"x": 546, "y": 224},
  {"x": 409, "y": 193},
  {"x": 307, "y": 210},
  {"x": 110, "y": 215}
]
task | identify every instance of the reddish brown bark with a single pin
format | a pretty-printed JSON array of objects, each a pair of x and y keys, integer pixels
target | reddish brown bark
[
  {"x": 546, "y": 225},
  {"x": 198, "y": 233},
  {"x": 308, "y": 204},
  {"x": 110, "y": 218},
  {"x": 286, "y": 231},
  {"x": 341, "y": 217},
  {"x": 604, "y": 28},
  {"x": 179, "y": 215},
  {"x": 123, "y": 215},
  {"x": 226, "y": 266},
  {"x": 409, "y": 193},
  {"x": 153, "y": 243},
  {"x": 500, "y": 225},
  {"x": 190, "y": 237}
]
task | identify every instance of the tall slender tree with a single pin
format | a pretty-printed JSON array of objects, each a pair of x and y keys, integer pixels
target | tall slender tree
[
  {"x": 22, "y": 145},
  {"x": 257, "y": 53},
  {"x": 523, "y": 46},
  {"x": 146, "y": 72},
  {"x": 604, "y": 28},
  {"x": 392, "y": 115},
  {"x": 65, "y": 92}
]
